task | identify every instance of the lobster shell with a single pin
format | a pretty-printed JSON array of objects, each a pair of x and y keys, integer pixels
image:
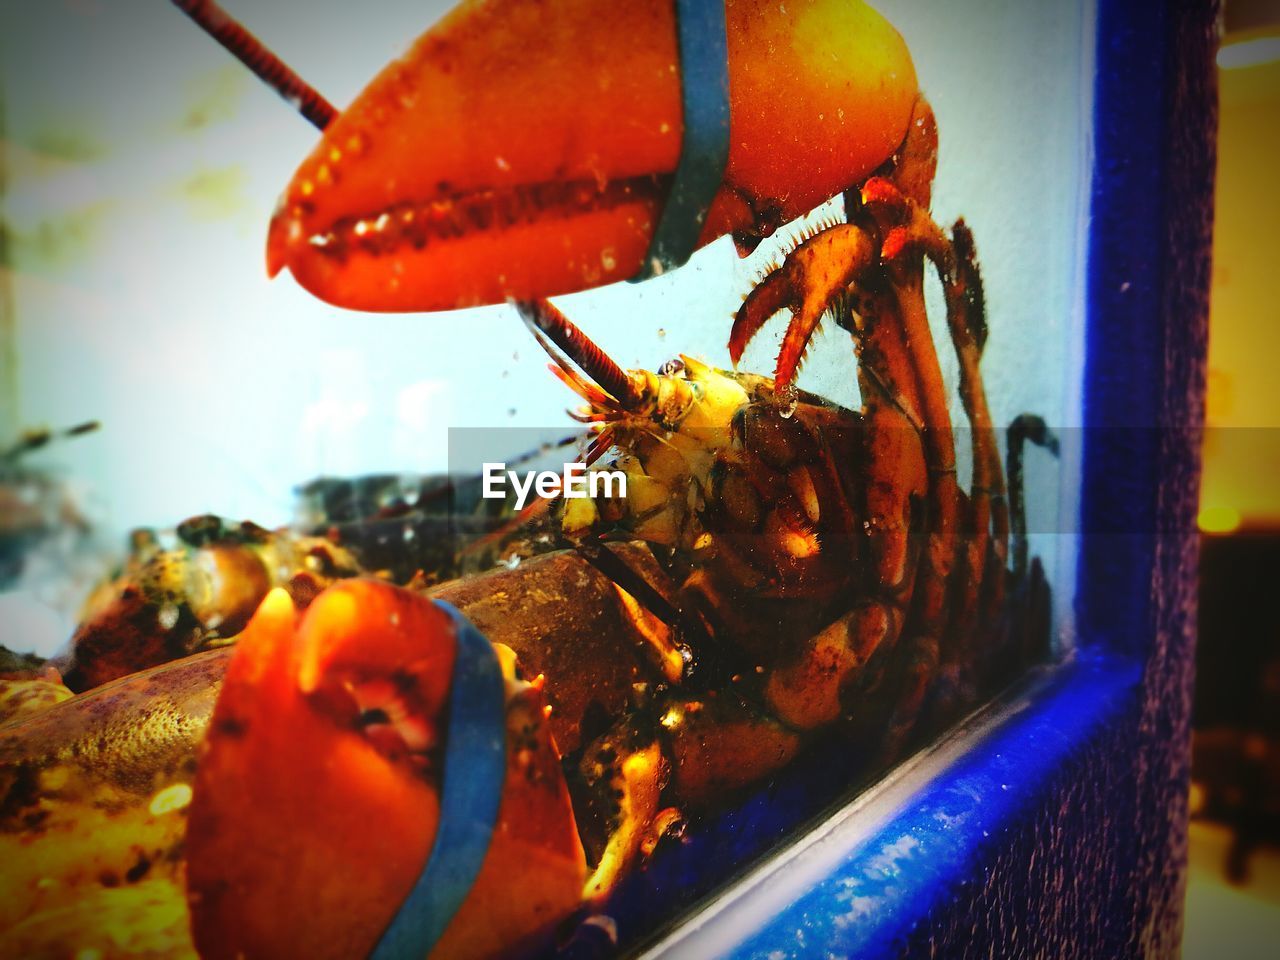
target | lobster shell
[
  {"x": 522, "y": 150},
  {"x": 306, "y": 833}
]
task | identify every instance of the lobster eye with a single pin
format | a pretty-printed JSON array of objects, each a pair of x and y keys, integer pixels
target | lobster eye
[{"x": 673, "y": 367}]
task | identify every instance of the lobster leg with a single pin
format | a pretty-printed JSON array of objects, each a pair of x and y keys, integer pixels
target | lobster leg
[
  {"x": 980, "y": 588},
  {"x": 819, "y": 272},
  {"x": 892, "y": 681},
  {"x": 814, "y": 274},
  {"x": 915, "y": 660},
  {"x": 862, "y": 667},
  {"x": 953, "y": 258},
  {"x": 619, "y": 782},
  {"x": 903, "y": 390}
]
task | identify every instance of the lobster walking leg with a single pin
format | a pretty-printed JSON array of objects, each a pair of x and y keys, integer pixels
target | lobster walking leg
[
  {"x": 813, "y": 274},
  {"x": 875, "y": 261},
  {"x": 897, "y": 367},
  {"x": 820, "y": 271},
  {"x": 980, "y": 588},
  {"x": 914, "y": 170}
]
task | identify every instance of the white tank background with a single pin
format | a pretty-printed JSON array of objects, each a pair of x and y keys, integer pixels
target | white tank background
[{"x": 143, "y": 163}]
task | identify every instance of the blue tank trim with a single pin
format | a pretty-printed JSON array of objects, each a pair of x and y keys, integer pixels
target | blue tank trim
[{"x": 871, "y": 901}]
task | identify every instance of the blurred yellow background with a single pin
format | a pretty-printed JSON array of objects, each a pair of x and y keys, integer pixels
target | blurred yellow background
[
  {"x": 1233, "y": 891},
  {"x": 1242, "y": 455}
]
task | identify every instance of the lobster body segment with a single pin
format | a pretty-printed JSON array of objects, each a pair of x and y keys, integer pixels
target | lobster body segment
[{"x": 480, "y": 168}]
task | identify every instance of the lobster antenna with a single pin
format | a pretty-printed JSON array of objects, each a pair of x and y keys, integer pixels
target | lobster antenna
[
  {"x": 269, "y": 68},
  {"x": 308, "y": 101},
  {"x": 41, "y": 437},
  {"x": 578, "y": 347}
]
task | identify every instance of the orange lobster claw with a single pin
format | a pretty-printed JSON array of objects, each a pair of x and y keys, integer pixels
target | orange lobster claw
[
  {"x": 317, "y": 796},
  {"x": 523, "y": 150}
]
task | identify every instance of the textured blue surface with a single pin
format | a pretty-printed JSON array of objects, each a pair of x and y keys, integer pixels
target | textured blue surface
[{"x": 873, "y": 901}]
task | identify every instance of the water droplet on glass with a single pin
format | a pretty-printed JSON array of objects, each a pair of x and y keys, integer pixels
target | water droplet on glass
[{"x": 787, "y": 402}]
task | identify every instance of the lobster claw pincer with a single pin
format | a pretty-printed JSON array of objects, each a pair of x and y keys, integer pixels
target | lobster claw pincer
[
  {"x": 324, "y": 787},
  {"x": 482, "y": 167}
]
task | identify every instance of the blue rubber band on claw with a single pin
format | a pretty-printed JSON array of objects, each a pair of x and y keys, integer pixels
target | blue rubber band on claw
[
  {"x": 704, "y": 148},
  {"x": 475, "y": 767}
]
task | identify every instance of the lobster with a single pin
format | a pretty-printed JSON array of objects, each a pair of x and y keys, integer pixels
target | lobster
[
  {"x": 803, "y": 566},
  {"x": 716, "y": 637},
  {"x": 789, "y": 566},
  {"x": 99, "y": 789},
  {"x": 97, "y": 822},
  {"x": 169, "y": 601},
  {"x": 401, "y": 206}
]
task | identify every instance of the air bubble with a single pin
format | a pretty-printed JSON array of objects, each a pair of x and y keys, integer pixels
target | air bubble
[{"x": 787, "y": 401}]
